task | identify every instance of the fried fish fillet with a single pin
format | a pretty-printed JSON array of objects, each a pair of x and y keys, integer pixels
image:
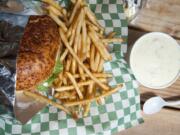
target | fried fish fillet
[{"x": 37, "y": 52}]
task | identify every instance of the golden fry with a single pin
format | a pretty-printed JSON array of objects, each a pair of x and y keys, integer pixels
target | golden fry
[
  {"x": 88, "y": 55},
  {"x": 84, "y": 37},
  {"x": 75, "y": 84},
  {"x": 88, "y": 44},
  {"x": 101, "y": 32},
  {"x": 64, "y": 80},
  {"x": 75, "y": 23},
  {"x": 111, "y": 34},
  {"x": 100, "y": 101},
  {"x": 55, "y": 11},
  {"x": 73, "y": 1},
  {"x": 100, "y": 47},
  {"x": 76, "y": 41},
  {"x": 101, "y": 36},
  {"x": 97, "y": 61},
  {"x": 85, "y": 101},
  {"x": 87, "y": 66},
  {"x": 92, "y": 18},
  {"x": 80, "y": 84},
  {"x": 88, "y": 95},
  {"x": 64, "y": 95},
  {"x": 81, "y": 74},
  {"x": 60, "y": 76},
  {"x": 58, "y": 21},
  {"x": 100, "y": 66},
  {"x": 76, "y": 45},
  {"x": 92, "y": 26},
  {"x": 53, "y": 3},
  {"x": 86, "y": 109},
  {"x": 73, "y": 67},
  {"x": 72, "y": 38},
  {"x": 74, "y": 64},
  {"x": 98, "y": 75},
  {"x": 72, "y": 27},
  {"x": 69, "y": 32},
  {"x": 112, "y": 40},
  {"x": 80, "y": 48},
  {"x": 63, "y": 56},
  {"x": 56, "y": 5},
  {"x": 68, "y": 64},
  {"x": 75, "y": 9},
  {"x": 56, "y": 95},
  {"x": 92, "y": 56},
  {"x": 57, "y": 82},
  {"x": 78, "y": 29}
]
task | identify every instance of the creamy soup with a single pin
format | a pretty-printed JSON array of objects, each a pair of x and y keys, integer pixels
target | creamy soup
[{"x": 155, "y": 60}]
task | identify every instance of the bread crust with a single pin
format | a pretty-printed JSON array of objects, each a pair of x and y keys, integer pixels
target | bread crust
[{"x": 37, "y": 52}]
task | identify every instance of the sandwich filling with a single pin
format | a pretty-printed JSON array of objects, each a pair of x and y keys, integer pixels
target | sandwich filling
[{"x": 45, "y": 85}]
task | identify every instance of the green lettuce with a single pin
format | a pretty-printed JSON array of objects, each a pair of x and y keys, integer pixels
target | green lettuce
[{"x": 44, "y": 86}]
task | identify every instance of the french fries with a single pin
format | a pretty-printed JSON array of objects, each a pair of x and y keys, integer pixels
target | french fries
[
  {"x": 92, "y": 57},
  {"x": 84, "y": 37},
  {"x": 80, "y": 84},
  {"x": 55, "y": 11},
  {"x": 97, "y": 75},
  {"x": 100, "y": 66},
  {"x": 111, "y": 34},
  {"x": 100, "y": 47},
  {"x": 97, "y": 60},
  {"x": 85, "y": 101},
  {"x": 74, "y": 84},
  {"x": 58, "y": 21},
  {"x": 75, "y": 9},
  {"x": 112, "y": 40},
  {"x": 55, "y": 5},
  {"x": 82, "y": 80},
  {"x": 105, "y": 87}
]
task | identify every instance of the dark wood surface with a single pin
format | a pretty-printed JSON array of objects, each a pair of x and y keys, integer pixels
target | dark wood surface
[{"x": 159, "y": 15}]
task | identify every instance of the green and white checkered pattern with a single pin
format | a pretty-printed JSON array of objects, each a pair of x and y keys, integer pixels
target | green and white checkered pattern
[{"x": 120, "y": 111}]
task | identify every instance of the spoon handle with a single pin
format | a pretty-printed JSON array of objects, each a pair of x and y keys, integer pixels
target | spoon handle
[{"x": 174, "y": 103}]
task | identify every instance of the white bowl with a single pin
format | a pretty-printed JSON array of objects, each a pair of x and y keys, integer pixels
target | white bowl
[{"x": 155, "y": 60}]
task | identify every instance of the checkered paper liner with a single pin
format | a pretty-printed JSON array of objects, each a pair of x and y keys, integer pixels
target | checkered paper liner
[{"x": 120, "y": 111}]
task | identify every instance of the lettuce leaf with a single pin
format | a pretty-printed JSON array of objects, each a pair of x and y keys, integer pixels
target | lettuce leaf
[{"x": 44, "y": 86}]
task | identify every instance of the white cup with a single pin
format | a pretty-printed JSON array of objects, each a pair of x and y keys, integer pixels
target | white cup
[{"x": 155, "y": 60}]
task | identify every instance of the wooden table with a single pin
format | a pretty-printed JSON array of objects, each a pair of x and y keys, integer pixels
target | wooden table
[
  {"x": 166, "y": 122},
  {"x": 164, "y": 16}
]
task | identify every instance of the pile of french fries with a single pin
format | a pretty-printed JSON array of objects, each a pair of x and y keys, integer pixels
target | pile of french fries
[{"x": 85, "y": 51}]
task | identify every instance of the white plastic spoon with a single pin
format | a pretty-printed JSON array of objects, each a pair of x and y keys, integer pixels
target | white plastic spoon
[{"x": 154, "y": 105}]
